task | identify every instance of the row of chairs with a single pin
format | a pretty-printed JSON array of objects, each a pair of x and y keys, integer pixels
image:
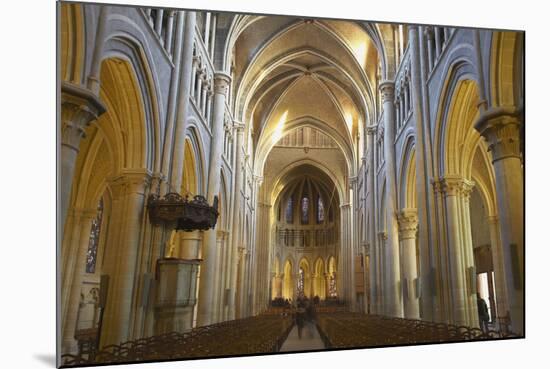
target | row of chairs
[
  {"x": 261, "y": 334},
  {"x": 346, "y": 330}
]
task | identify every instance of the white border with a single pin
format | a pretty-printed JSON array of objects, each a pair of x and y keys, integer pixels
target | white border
[{"x": 27, "y": 144}]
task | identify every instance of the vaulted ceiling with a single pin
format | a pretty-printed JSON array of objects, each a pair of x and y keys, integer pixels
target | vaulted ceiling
[{"x": 290, "y": 71}]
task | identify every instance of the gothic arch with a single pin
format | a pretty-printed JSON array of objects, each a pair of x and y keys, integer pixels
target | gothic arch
[
  {"x": 191, "y": 175},
  {"x": 343, "y": 143},
  {"x": 288, "y": 279},
  {"x": 454, "y": 141},
  {"x": 319, "y": 284},
  {"x": 506, "y": 71},
  {"x": 407, "y": 175},
  {"x": 72, "y": 42},
  {"x": 128, "y": 48},
  {"x": 197, "y": 145}
]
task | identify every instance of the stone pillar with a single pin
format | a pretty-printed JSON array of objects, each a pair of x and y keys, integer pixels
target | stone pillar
[
  {"x": 429, "y": 37},
  {"x": 437, "y": 42},
  {"x": 79, "y": 107},
  {"x": 221, "y": 236},
  {"x": 346, "y": 261},
  {"x": 172, "y": 103},
  {"x": 189, "y": 244},
  {"x": 408, "y": 223},
  {"x": 373, "y": 268},
  {"x": 260, "y": 282},
  {"x": 423, "y": 187},
  {"x": 207, "y": 294},
  {"x": 455, "y": 192},
  {"x": 158, "y": 21},
  {"x": 243, "y": 257},
  {"x": 169, "y": 31},
  {"x": 498, "y": 267},
  {"x": 382, "y": 245},
  {"x": 501, "y": 128},
  {"x": 394, "y": 303},
  {"x": 183, "y": 102},
  {"x": 74, "y": 277},
  {"x": 237, "y": 196},
  {"x": 128, "y": 192}
]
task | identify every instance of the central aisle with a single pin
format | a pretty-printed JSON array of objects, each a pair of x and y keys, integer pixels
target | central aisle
[{"x": 311, "y": 340}]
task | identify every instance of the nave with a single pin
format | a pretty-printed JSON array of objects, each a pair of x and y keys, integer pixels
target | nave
[
  {"x": 374, "y": 167},
  {"x": 275, "y": 331}
]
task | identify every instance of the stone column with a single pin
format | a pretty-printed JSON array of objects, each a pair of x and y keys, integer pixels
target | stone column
[
  {"x": 169, "y": 31},
  {"x": 408, "y": 223},
  {"x": 172, "y": 103},
  {"x": 260, "y": 282},
  {"x": 498, "y": 266},
  {"x": 128, "y": 192},
  {"x": 382, "y": 245},
  {"x": 221, "y": 236},
  {"x": 437, "y": 42},
  {"x": 423, "y": 187},
  {"x": 429, "y": 37},
  {"x": 84, "y": 217},
  {"x": 189, "y": 245},
  {"x": 207, "y": 294},
  {"x": 183, "y": 102},
  {"x": 158, "y": 22},
  {"x": 501, "y": 128},
  {"x": 243, "y": 256},
  {"x": 346, "y": 261},
  {"x": 237, "y": 196},
  {"x": 373, "y": 268},
  {"x": 394, "y": 303},
  {"x": 455, "y": 192},
  {"x": 79, "y": 107}
]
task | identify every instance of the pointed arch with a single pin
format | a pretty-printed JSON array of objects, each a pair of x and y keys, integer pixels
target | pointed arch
[{"x": 72, "y": 42}]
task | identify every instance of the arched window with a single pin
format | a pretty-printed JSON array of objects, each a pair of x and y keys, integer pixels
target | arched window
[
  {"x": 301, "y": 283},
  {"x": 288, "y": 210},
  {"x": 305, "y": 210},
  {"x": 332, "y": 286},
  {"x": 91, "y": 254},
  {"x": 320, "y": 210}
]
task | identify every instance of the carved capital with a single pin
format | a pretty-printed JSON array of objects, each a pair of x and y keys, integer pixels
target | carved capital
[
  {"x": 501, "y": 128},
  {"x": 221, "y": 235},
  {"x": 81, "y": 214},
  {"x": 221, "y": 83},
  {"x": 453, "y": 185},
  {"x": 383, "y": 235},
  {"x": 79, "y": 107},
  {"x": 130, "y": 181},
  {"x": 238, "y": 126},
  {"x": 387, "y": 89},
  {"x": 408, "y": 223},
  {"x": 492, "y": 219}
]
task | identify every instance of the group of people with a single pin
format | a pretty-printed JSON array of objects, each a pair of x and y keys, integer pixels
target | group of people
[{"x": 304, "y": 311}]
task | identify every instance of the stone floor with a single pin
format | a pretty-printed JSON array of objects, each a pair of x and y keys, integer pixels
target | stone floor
[{"x": 310, "y": 340}]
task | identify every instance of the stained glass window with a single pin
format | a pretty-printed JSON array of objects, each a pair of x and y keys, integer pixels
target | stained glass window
[
  {"x": 301, "y": 283},
  {"x": 332, "y": 286},
  {"x": 305, "y": 210},
  {"x": 320, "y": 210},
  {"x": 91, "y": 255},
  {"x": 288, "y": 210}
]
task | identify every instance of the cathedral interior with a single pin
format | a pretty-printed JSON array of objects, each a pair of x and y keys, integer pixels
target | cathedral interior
[{"x": 371, "y": 171}]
